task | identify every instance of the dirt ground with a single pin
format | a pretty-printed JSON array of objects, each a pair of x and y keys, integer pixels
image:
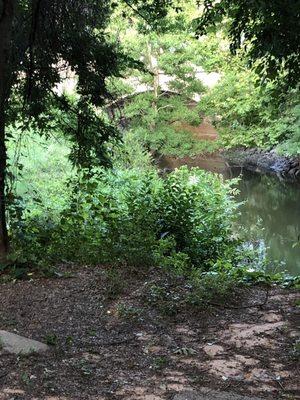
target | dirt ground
[
  {"x": 111, "y": 339},
  {"x": 205, "y": 131}
]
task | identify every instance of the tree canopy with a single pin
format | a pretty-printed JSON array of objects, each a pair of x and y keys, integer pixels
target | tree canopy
[{"x": 269, "y": 31}]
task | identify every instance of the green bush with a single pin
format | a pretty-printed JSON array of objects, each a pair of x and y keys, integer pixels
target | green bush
[
  {"x": 165, "y": 130},
  {"x": 291, "y": 125},
  {"x": 172, "y": 141},
  {"x": 131, "y": 153},
  {"x": 39, "y": 168},
  {"x": 135, "y": 217},
  {"x": 196, "y": 210},
  {"x": 252, "y": 115}
]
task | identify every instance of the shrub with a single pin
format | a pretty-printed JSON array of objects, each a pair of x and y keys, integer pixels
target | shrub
[
  {"x": 131, "y": 153},
  {"x": 197, "y": 211},
  {"x": 137, "y": 218},
  {"x": 291, "y": 125},
  {"x": 252, "y": 115}
]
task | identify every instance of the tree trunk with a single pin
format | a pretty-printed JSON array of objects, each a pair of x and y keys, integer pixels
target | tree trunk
[
  {"x": 153, "y": 66},
  {"x": 6, "y": 20},
  {"x": 3, "y": 227}
]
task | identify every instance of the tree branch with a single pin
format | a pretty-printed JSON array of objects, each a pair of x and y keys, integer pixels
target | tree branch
[
  {"x": 32, "y": 36},
  {"x": 127, "y": 2}
]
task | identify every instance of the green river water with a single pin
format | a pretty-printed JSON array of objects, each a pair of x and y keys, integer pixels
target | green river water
[{"x": 270, "y": 213}]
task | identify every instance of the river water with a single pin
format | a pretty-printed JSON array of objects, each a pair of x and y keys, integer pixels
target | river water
[{"x": 270, "y": 213}]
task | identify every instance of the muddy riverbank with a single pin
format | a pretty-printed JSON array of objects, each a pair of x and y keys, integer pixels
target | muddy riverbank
[
  {"x": 237, "y": 159},
  {"x": 231, "y": 163}
]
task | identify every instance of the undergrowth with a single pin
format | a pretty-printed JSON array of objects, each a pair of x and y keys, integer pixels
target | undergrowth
[
  {"x": 182, "y": 224},
  {"x": 135, "y": 217}
]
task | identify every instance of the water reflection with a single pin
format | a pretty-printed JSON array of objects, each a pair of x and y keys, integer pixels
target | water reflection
[{"x": 274, "y": 206}]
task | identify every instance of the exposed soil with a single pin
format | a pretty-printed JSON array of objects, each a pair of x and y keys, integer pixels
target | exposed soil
[
  {"x": 112, "y": 342},
  {"x": 213, "y": 162},
  {"x": 205, "y": 131},
  {"x": 224, "y": 161}
]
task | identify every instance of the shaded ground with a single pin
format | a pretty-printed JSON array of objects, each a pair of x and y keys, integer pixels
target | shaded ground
[{"x": 117, "y": 341}]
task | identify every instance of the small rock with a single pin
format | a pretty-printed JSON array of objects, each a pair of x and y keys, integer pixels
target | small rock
[
  {"x": 292, "y": 172},
  {"x": 213, "y": 350},
  {"x": 294, "y": 164},
  {"x": 271, "y": 317},
  {"x": 15, "y": 344}
]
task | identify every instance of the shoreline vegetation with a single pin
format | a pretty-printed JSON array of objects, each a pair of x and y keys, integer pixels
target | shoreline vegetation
[{"x": 122, "y": 258}]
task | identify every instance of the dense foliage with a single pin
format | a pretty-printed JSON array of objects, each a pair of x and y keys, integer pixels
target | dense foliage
[
  {"x": 51, "y": 41},
  {"x": 158, "y": 101},
  {"x": 269, "y": 31},
  {"x": 41, "y": 42},
  {"x": 251, "y": 116},
  {"x": 135, "y": 217}
]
